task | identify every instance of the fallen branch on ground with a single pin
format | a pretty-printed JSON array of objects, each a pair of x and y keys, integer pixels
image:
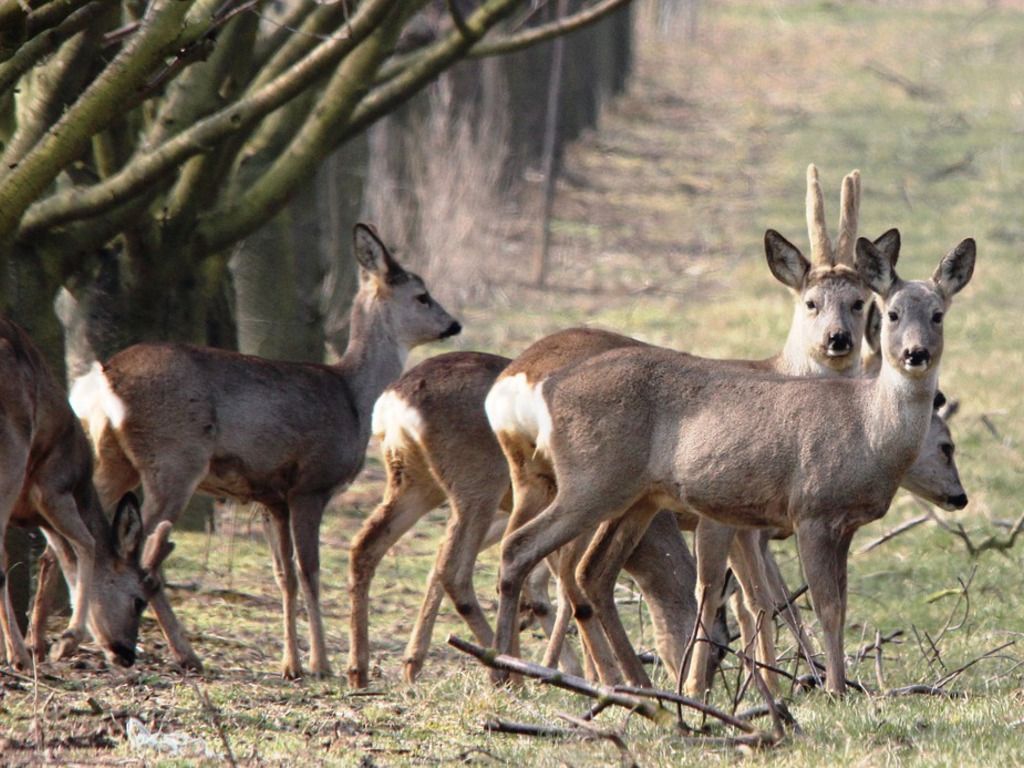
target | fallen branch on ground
[{"x": 627, "y": 697}]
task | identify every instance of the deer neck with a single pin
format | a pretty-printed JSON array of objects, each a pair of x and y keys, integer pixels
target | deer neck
[
  {"x": 900, "y": 406},
  {"x": 373, "y": 359}
]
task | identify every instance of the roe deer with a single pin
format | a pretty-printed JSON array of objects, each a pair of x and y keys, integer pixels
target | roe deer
[
  {"x": 641, "y": 427},
  {"x": 46, "y": 480},
  {"x": 824, "y": 339},
  {"x": 289, "y": 436}
]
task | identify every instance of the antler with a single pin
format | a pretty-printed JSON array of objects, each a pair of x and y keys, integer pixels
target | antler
[
  {"x": 817, "y": 229},
  {"x": 848, "y": 219}
]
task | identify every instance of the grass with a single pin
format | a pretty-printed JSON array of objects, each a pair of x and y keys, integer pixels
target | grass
[{"x": 658, "y": 233}]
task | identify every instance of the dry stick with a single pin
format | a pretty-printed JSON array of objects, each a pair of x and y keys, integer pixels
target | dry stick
[
  {"x": 684, "y": 663},
  {"x": 951, "y": 676},
  {"x": 912, "y": 523},
  {"x": 214, "y": 714},
  {"x": 880, "y": 640},
  {"x": 588, "y": 730},
  {"x": 878, "y": 660},
  {"x": 623, "y": 696}
]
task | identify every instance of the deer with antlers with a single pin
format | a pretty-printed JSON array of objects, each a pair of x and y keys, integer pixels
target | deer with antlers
[
  {"x": 178, "y": 419},
  {"x": 640, "y": 428},
  {"x": 46, "y": 481}
]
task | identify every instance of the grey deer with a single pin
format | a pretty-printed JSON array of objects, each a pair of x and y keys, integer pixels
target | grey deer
[
  {"x": 46, "y": 481},
  {"x": 289, "y": 436},
  {"x": 746, "y": 449}
]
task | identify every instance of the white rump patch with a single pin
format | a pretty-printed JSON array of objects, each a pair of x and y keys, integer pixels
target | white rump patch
[
  {"x": 394, "y": 421},
  {"x": 544, "y": 425},
  {"x": 511, "y": 407},
  {"x": 95, "y": 403}
]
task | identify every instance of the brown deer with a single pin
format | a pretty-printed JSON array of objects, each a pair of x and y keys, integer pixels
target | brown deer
[
  {"x": 289, "y": 436},
  {"x": 46, "y": 481},
  {"x": 641, "y": 428}
]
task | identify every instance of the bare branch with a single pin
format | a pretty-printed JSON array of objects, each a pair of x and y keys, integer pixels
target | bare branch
[
  {"x": 624, "y": 696},
  {"x": 908, "y": 525},
  {"x": 545, "y": 32}
]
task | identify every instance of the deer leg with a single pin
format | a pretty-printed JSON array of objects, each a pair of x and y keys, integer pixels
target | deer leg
[
  {"x": 14, "y": 646},
  {"x": 279, "y": 536},
  {"x": 592, "y": 635},
  {"x": 164, "y": 500},
  {"x": 407, "y": 499},
  {"x": 824, "y": 553},
  {"x": 61, "y": 513},
  {"x": 598, "y": 572},
  {"x": 554, "y": 622},
  {"x": 306, "y": 515},
  {"x": 467, "y": 527},
  {"x": 712, "y": 542},
  {"x": 758, "y": 607},
  {"x": 665, "y": 571},
  {"x": 780, "y": 596},
  {"x": 47, "y": 588}
]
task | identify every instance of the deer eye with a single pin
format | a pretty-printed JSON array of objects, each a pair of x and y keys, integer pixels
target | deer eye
[
  {"x": 424, "y": 298},
  {"x": 810, "y": 304},
  {"x": 893, "y": 317},
  {"x": 140, "y": 605},
  {"x": 858, "y": 305},
  {"x": 937, "y": 318},
  {"x": 947, "y": 451}
]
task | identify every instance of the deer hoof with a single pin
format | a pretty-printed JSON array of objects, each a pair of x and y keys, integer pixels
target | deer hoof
[
  {"x": 66, "y": 646},
  {"x": 411, "y": 670},
  {"x": 358, "y": 678},
  {"x": 38, "y": 648},
  {"x": 189, "y": 662}
]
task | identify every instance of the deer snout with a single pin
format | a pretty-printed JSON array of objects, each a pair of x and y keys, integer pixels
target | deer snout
[
  {"x": 957, "y": 502},
  {"x": 452, "y": 330},
  {"x": 122, "y": 654},
  {"x": 839, "y": 343},
  {"x": 916, "y": 358}
]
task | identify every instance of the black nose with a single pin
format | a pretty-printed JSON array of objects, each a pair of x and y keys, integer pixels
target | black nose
[
  {"x": 917, "y": 357},
  {"x": 452, "y": 330},
  {"x": 958, "y": 502},
  {"x": 124, "y": 654},
  {"x": 840, "y": 342}
]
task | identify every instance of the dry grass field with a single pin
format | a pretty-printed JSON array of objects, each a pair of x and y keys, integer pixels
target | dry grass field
[{"x": 658, "y": 233}]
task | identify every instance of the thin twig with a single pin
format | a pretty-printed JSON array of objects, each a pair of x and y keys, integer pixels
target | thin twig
[
  {"x": 912, "y": 523},
  {"x": 214, "y": 714},
  {"x": 588, "y": 730},
  {"x": 951, "y": 676}
]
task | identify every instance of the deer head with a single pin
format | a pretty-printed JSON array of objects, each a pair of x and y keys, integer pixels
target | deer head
[{"x": 126, "y": 577}]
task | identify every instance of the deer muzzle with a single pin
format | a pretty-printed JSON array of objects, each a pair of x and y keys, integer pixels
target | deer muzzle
[
  {"x": 839, "y": 344},
  {"x": 916, "y": 359}
]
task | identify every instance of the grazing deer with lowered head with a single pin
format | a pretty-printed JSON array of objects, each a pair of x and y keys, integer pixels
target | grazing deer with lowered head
[
  {"x": 46, "y": 480},
  {"x": 824, "y": 339},
  {"x": 178, "y": 419},
  {"x": 643, "y": 427}
]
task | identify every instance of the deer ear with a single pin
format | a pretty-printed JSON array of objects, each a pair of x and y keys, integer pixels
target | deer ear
[
  {"x": 371, "y": 253},
  {"x": 889, "y": 244},
  {"x": 875, "y": 267},
  {"x": 956, "y": 269},
  {"x": 128, "y": 528},
  {"x": 785, "y": 260}
]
